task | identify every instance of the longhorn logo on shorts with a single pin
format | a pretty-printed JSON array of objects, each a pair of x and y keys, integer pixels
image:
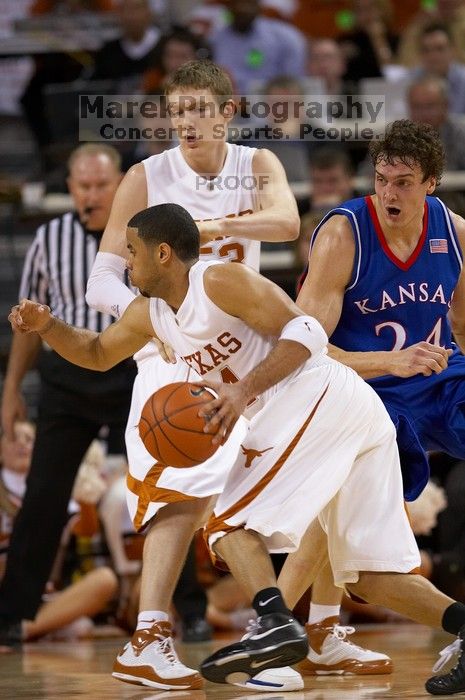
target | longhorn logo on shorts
[{"x": 251, "y": 454}]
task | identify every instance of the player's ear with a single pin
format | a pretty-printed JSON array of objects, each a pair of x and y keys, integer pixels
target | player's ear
[
  {"x": 431, "y": 185},
  {"x": 228, "y": 109},
  {"x": 165, "y": 252}
]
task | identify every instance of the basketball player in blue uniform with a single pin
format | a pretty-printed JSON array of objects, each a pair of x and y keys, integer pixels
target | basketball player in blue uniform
[{"x": 385, "y": 280}]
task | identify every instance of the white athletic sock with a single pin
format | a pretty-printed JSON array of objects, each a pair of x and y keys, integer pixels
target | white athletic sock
[
  {"x": 318, "y": 613},
  {"x": 146, "y": 618}
]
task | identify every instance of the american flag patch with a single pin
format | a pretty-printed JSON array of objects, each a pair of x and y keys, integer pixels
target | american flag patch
[{"x": 438, "y": 245}]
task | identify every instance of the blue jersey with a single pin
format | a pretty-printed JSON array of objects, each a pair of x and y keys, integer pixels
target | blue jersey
[{"x": 389, "y": 305}]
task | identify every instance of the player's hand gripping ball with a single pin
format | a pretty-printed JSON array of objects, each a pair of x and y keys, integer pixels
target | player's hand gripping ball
[{"x": 172, "y": 430}]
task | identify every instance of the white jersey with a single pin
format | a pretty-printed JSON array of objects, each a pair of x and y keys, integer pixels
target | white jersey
[
  {"x": 231, "y": 193},
  {"x": 212, "y": 342}
]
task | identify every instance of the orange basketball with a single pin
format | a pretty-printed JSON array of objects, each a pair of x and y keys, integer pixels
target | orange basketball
[{"x": 171, "y": 429}]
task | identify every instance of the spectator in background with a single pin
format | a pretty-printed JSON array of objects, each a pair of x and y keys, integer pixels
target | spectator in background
[
  {"x": 436, "y": 54},
  {"x": 428, "y": 103},
  {"x": 173, "y": 49},
  {"x": 255, "y": 49},
  {"x": 331, "y": 177},
  {"x": 207, "y": 17},
  {"x": 449, "y": 12},
  {"x": 68, "y": 611},
  {"x": 127, "y": 58},
  {"x": 371, "y": 44},
  {"x": 328, "y": 62},
  {"x": 74, "y": 403},
  {"x": 282, "y": 93}
]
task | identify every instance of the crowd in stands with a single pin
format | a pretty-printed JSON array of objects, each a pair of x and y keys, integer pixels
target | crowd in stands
[{"x": 267, "y": 55}]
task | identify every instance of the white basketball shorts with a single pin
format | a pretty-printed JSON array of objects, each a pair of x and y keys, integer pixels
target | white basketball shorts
[{"x": 323, "y": 446}]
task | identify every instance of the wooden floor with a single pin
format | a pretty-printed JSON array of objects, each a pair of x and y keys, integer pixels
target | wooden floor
[{"x": 77, "y": 670}]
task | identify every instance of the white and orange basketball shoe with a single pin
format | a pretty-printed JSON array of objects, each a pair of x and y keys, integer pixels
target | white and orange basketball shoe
[
  {"x": 150, "y": 659},
  {"x": 331, "y": 653}
]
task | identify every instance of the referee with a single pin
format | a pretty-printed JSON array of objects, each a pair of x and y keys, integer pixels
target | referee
[{"x": 74, "y": 402}]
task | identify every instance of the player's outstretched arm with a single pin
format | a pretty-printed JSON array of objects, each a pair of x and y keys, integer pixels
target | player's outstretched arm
[
  {"x": 264, "y": 307},
  {"x": 331, "y": 262},
  {"x": 457, "y": 308},
  {"x": 278, "y": 218},
  {"x": 98, "y": 351},
  {"x": 106, "y": 290}
]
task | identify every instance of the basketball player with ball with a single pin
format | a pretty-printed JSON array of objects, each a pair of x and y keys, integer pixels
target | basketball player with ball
[
  {"x": 167, "y": 503},
  {"x": 323, "y": 440},
  {"x": 232, "y": 221}
]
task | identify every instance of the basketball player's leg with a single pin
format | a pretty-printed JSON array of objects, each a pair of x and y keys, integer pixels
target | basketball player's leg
[
  {"x": 329, "y": 651},
  {"x": 302, "y": 567},
  {"x": 275, "y": 639},
  {"x": 188, "y": 492},
  {"x": 417, "y": 598},
  {"x": 238, "y": 549},
  {"x": 410, "y": 595},
  {"x": 324, "y": 592},
  {"x": 165, "y": 549}
]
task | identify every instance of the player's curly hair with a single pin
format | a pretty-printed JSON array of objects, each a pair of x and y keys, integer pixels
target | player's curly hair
[{"x": 411, "y": 142}]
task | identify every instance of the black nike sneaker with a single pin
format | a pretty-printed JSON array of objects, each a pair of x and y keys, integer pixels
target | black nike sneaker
[
  {"x": 271, "y": 641},
  {"x": 454, "y": 681}
]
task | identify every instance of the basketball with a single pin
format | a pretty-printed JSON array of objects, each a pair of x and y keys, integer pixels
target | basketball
[{"x": 170, "y": 428}]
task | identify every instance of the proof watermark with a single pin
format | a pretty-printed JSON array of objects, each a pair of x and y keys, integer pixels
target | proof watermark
[
  {"x": 245, "y": 118},
  {"x": 257, "y": 182}
]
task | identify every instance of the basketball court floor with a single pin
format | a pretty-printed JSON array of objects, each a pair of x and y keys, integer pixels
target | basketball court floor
[{"x": 77, "y": 670}]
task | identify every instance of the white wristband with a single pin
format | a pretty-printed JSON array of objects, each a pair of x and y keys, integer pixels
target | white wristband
[
  {"x": 307, "y": 331},
  {"x": 106, "y": 290}
]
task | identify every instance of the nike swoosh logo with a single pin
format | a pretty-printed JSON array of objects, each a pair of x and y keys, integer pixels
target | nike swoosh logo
[
  {"x": 265, "y": 602},
  {"x": 274, "y": 629},
  {"x": 257, "y": 664}
]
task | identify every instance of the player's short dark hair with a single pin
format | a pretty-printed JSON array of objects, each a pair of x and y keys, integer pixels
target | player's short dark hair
[
  {"x": 201, "y": 75},
  {"x": 169, "y": 223},
  {"x": 411, "y": 143}
]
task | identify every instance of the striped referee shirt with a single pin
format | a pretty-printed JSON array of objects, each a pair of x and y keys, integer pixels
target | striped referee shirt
[{"x": 56, "y": 270}]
